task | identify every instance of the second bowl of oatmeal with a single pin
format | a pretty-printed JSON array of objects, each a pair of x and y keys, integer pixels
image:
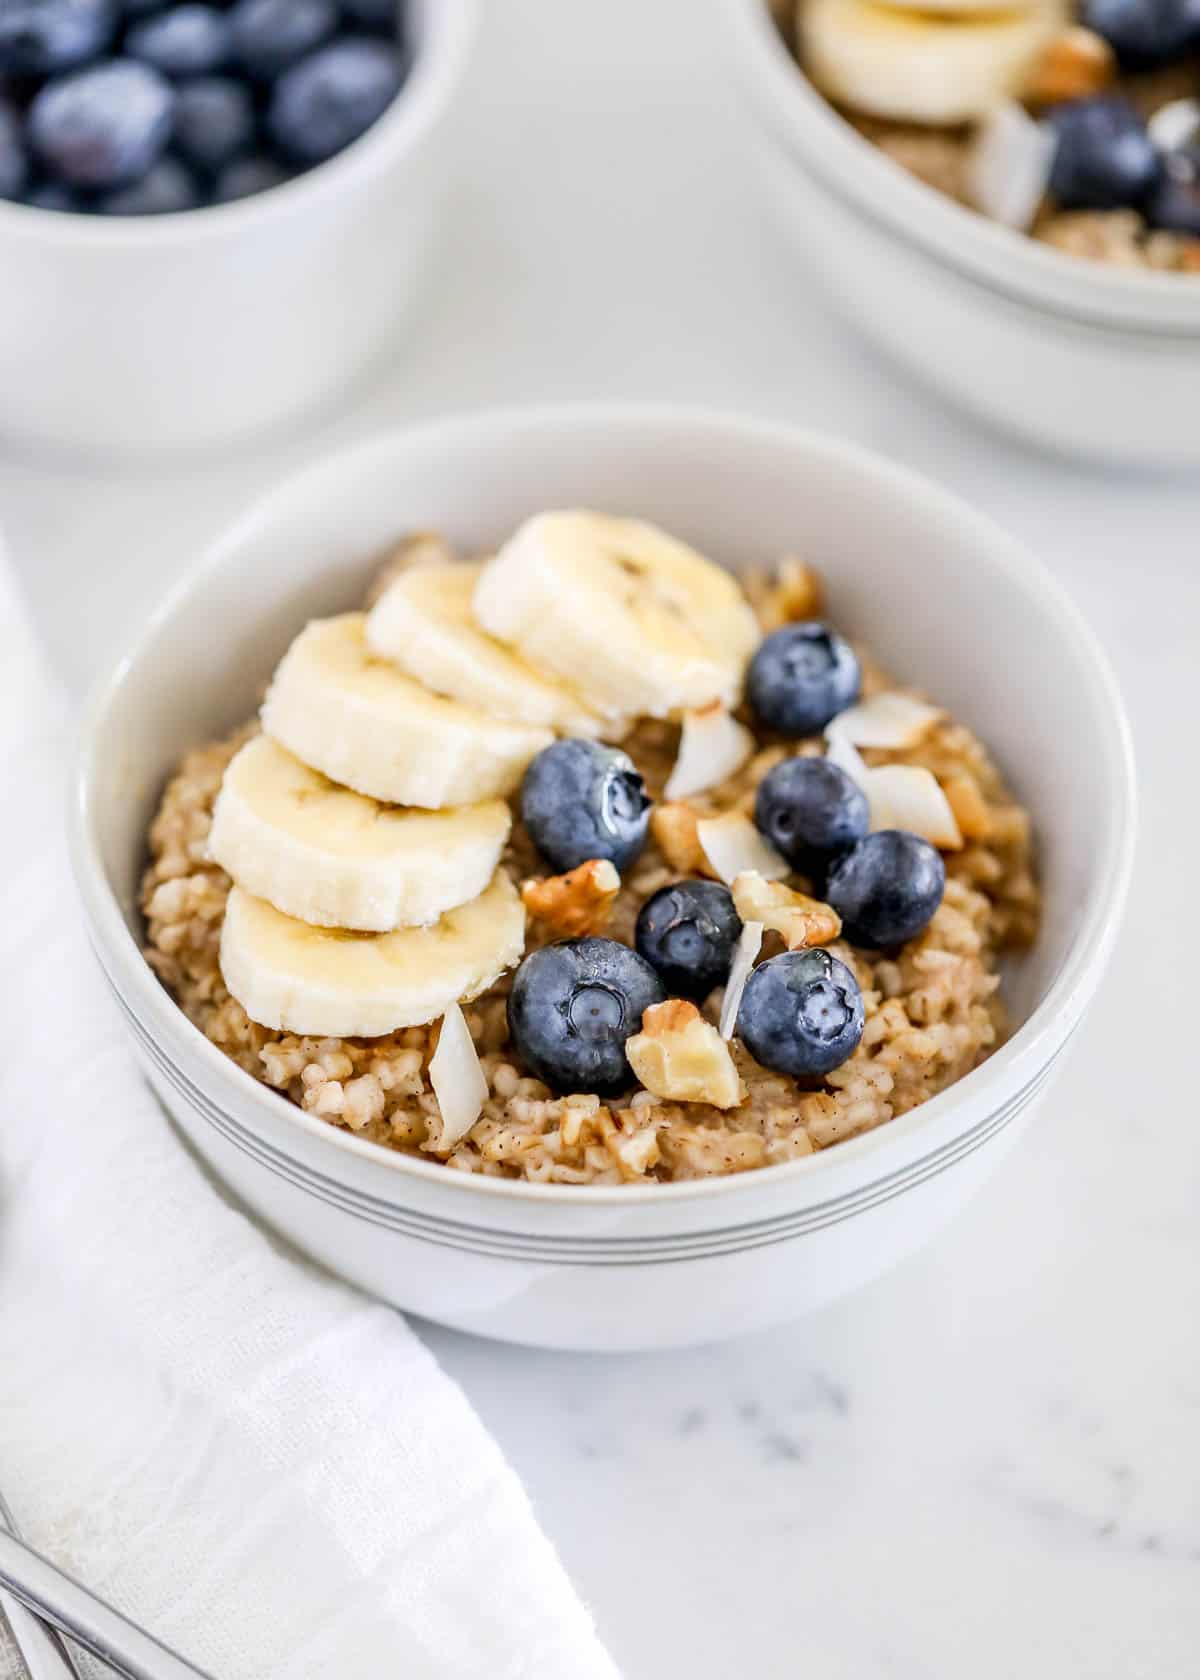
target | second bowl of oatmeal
[
  {"x": 1091, "y": 354},
  {"x": 489, "y": 1184}
]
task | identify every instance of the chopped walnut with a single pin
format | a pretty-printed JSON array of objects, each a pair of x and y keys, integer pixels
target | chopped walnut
[
  {"x": 1076, "y": 63},
  {"x": 576, "y": 903},
  {"x": 674, "y": 828},
  {"x": 801, "y": 920},
  {"x": 792, "y": 592},
  {"x": 681, "y": 1056},
  {"x": 969, "y": 806}
]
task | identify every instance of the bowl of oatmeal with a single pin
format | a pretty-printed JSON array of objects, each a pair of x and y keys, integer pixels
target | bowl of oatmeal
[
  {"x": 593, "y": 877},
  {"x": 1007, "y": 201}
]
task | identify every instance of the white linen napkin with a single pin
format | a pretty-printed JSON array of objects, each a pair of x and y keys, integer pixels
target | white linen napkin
[{"x": 267, "y": 1470}]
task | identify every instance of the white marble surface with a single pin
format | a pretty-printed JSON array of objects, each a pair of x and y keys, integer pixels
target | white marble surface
[{"x": 989, "y": 1464}]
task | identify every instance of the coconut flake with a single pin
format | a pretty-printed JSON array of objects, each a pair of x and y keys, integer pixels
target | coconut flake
[
  {"x": 1176, "y": 125},
  {"x": 733, "y": 845},
  {"x": 748, "y": 946},
  {"x": 842, "y": 752},
  {"x": 457, "y": 1079},
  {"x": 1008, "y": 169},
  {"x": 888, "y": 720},
  {"x": 713, "y": 745},
  {"x": 910, "y": 797}
]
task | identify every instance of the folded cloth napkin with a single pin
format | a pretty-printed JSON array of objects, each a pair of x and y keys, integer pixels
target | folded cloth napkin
[{"x": 264, "y": 1468}]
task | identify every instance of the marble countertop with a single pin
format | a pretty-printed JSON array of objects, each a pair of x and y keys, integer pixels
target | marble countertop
[{"x": 989, "y": 1463}]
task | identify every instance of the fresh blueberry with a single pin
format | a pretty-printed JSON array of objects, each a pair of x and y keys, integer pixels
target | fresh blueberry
[
  {"x": 571, "y": 1009},
  {"x": 52, "y": 195},
  {"x": 103, "y": 127},
  {"x": 270, "y": 35},
  {"x": 801, "y": 1013},
  {"x": 886, "y": 888},
  {"x": 1175, "y": 202},
  {"x": 581, "y": 800},
  {"x": 1145, "y": 33},
  {"x": 801, "y": 677},
  {"x": 214, "y": 122},
  {"x": 809, "y": 809},
  {"x": 1104, "y": 160},
  {"x": 687, "y": 933},
  {"x": 14, "y": 165},
  {"x": 246, "y": 177},
  {"x": 383, "y": 16},
  {"x": 186, "y": 41},
  {"x": 329, "y": 99},
  {"x": 46, "y": 37},
  {"x": 165, "y": 189}
]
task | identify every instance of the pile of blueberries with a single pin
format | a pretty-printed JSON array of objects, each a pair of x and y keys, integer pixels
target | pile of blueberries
[
  {"x": 573, "y": 1005},
  {"x": 139, "y": 107},
  {"x": 1106, "y": 157}
]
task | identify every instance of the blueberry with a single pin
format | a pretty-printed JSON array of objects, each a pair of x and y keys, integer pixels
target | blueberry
[
  {"x": 102, "y": 127},
  {"x": 165, "y": 189},
  {"x": 809, "y": 809},
  {"x": 214, "y": 122},
  {"x": 1175, "y": 202},
  {"x": 329, "y": 99},
  {"x": 246, "y": 177},
  {"x": 52, "y": 195},
  {"x": 270, "y": 35},
  {"x": 1145, "y": 33},
  {"x": 801, "y": 677},
  {"x": 46, "y": 37},
  {"x": 186, "y": 41},
  {"x": 886, "y": 888},
  {"x": 581, "y": 800},
  {"x": 801, "y": 1013},
  {"x": 571, "y": 1009},
  {"x": 1105, "y": 160},
  {"x": 687, "y": 933},
  {"x": 14, "y": 165},
  {"x": 380, "y": 15}
]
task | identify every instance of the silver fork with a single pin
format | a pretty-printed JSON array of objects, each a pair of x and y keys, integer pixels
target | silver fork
[
  {"x": 40, "y": 1649},
  {"x": 45, "y": 1593}
]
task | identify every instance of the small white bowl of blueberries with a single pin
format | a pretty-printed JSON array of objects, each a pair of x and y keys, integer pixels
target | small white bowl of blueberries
[{"x": 211, "y": 214}]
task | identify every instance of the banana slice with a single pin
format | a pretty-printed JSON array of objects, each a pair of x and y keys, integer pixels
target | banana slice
[
  {"x": 917, "y": 67},
  {"x": 637, "y": 622},
  {"x": 353, "y": 716},
  {"x": 329, "y": 983},
  {"x": 335, "y": 858},
  {"x": 424, "y": 622},
  {"x": 951, "y": 8}
]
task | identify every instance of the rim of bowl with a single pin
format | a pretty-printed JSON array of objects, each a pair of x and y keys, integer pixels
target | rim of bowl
[
  {"x": 1032, "y": 1045},
  {"x": 441, "y": 50},
  {"x": 1089, "y": 293}
]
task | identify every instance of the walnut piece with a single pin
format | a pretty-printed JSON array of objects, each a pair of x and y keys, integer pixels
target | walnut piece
[
  {"x": 793, "y": 593},
  {"x": 681, "y": 1056},
  {"x": 673, "y": 826},
  {"x": 801, "y": 920},
  {"x": 577, "y": 903},
  {"x": 969, "y": 806},
  {"x": 1076, "y": 63}
]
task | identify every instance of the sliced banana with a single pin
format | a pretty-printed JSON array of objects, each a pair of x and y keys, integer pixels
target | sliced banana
[
  {"x": 914, "y": 66},
  {"x": 424, "y": 622},
  {"x": 330, "y": 983},
  {"x": 338, "y": 859},
  {"x": 950, "y": 8},
  {"x": 636, "y": 621},
  {"x": 341, "y": 709}
]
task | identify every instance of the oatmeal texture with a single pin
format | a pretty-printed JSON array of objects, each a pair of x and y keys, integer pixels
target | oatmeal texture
[{"x": 932, "y": 1010}]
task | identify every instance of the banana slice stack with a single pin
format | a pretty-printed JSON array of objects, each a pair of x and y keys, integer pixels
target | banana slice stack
[
  {"x": 363, "y": 829},
  {"x": 939, "y": 62}
]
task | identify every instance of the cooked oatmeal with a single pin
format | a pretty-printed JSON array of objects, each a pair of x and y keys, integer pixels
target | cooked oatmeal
[{"x": 932, "y": 1009}]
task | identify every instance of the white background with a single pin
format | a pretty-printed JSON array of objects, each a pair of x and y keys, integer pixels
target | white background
[{"x": 989, "y": 1464}]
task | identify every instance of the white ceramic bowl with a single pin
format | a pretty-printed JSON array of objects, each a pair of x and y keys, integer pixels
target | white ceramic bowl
[
  {"x": 122, "y": 335},
  {"x": 1074, "y": 356},
  {"x": 948, "y": 601}
]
